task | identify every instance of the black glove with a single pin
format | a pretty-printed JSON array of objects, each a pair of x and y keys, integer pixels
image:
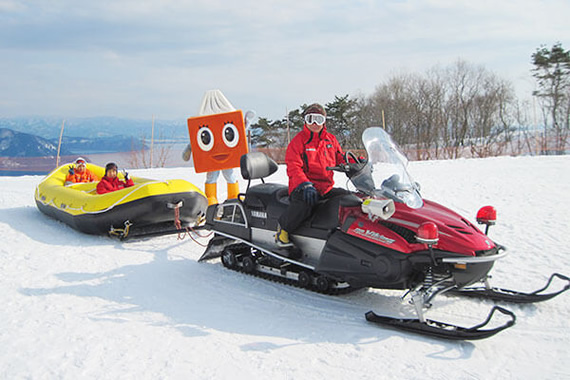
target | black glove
[
  {"x": 310, "y": 194},
  {"x": 126, "y": 175},
  {"x": 71, "y": 170}
]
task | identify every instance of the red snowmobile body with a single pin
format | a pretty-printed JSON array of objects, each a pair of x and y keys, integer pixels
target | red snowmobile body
[{"x": 384, "y": 237}]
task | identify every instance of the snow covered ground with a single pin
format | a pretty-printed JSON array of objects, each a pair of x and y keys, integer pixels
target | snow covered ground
[{"x": 78, "y": 306}]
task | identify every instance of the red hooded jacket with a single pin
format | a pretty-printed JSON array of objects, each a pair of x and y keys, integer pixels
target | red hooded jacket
[
  {"x": 106, "y": 185},
  {"x": 308, "y": 156}
]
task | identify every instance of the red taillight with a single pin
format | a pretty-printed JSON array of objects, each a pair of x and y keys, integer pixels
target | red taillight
[
  {"x": 487, "y": 215},
  {"x": 427, "y": 233}
]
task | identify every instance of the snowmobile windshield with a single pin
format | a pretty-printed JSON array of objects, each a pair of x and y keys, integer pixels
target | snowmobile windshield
[{"x": 386, "y": 174}]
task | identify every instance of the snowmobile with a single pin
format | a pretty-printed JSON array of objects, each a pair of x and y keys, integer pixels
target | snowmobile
[{"x": 385, "y": 237}]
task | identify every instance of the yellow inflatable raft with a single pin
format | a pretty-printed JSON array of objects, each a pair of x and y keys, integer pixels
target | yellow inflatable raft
[{"x": 149, "y": 205}]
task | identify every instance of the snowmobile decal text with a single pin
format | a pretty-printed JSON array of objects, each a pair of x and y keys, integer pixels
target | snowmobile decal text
[
  {"x": 373, "y": 235},
  {"x": 259, "y": 214}
]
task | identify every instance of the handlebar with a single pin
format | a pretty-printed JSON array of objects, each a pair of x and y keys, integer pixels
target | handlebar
[
  {"x": 349, "y": 157},
  {"x": 343, "y": 168}
]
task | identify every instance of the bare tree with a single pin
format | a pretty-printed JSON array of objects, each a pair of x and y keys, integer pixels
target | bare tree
[
  {"x": 451, "y": 111},
  {"x": 141, "y": 158},
  {"x": 395, "y": 98}
]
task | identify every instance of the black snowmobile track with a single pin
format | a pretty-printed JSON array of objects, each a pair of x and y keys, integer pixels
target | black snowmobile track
[
  {"x": 499, "y": 294},
  {"x": 244, "y": 251}
]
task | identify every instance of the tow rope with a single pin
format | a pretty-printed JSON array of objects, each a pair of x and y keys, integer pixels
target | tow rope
[{"x": 188, "y": 230}]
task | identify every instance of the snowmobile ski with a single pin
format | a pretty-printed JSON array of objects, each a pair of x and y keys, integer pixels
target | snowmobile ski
[
  {"x": 444, "y": 330},
  {"x": 499, "y": 294}
]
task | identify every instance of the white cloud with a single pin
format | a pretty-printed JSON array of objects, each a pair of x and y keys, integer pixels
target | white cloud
[{"x": 127, "y": 58}]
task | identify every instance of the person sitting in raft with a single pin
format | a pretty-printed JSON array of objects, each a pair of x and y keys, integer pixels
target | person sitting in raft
[
  {"x": 78, "y": 172},
  {"x": 110, "y": 182}
]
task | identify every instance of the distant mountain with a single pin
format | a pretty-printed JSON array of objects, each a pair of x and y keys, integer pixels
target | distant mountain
[
  {"x": 97, "y": 127},
  {"x": 17, "y": 144},
  {"x": 82, "y": 145}
]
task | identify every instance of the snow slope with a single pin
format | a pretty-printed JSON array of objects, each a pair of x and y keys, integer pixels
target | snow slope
[{"x": 79, "y": 306}]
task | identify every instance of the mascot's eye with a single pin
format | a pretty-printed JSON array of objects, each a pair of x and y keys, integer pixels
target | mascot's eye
[
  {"x": 205, "y": 139},
  {"x": 230, "y": 135}
]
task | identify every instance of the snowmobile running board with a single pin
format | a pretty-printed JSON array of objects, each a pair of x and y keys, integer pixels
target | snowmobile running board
[
  {"x": 266, "y": 250},
  {"x": 499, "y": 294},
  {"x": 443, "y": 330}
]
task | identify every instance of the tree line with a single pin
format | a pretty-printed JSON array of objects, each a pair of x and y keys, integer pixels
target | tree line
[{"x": 460, "y": 110}]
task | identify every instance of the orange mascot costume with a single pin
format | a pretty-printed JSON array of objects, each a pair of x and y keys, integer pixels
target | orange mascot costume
[{"x": 217, "y": 142}]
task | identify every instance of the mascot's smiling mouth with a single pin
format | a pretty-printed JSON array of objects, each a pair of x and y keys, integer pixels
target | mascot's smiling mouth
[{"x": 220, "y": 157}]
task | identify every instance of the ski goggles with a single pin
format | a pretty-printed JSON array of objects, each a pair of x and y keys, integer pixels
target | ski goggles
[{"x": 315, "y": 118}]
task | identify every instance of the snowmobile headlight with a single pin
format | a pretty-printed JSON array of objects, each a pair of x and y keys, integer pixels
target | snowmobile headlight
[{"x": 378, "y": 208}]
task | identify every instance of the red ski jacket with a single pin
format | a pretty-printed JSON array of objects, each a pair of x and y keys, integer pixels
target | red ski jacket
[
  {"x": 106, "y": 185},
  {"x": 308, "y": 156}
]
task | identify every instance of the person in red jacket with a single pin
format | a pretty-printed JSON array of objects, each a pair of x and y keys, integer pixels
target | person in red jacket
[
  {"x": 78, "y": 172},
  {"x": 307, "y": 158},
  {"x": 110, "y": 182}
]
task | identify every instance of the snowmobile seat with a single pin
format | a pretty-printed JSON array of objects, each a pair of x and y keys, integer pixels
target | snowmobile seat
[
  {"x": 283, "y": 195},
  {"x": 266, "y": 194},
  {"x": 257, "y": 165},
  {"x": 269, "y": 198}
]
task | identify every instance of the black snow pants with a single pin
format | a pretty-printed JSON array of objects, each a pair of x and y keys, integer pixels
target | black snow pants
[{"x": 299, "y": 210}]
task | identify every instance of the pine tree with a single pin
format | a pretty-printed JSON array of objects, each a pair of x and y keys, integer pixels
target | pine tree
[{"x": 552, "y": 72}]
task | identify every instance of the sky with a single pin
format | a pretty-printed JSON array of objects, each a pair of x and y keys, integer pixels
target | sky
[{"x": 138, "y": 59}]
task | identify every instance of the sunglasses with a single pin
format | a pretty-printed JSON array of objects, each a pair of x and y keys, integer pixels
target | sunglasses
[{"x": 315, "y": 118}]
